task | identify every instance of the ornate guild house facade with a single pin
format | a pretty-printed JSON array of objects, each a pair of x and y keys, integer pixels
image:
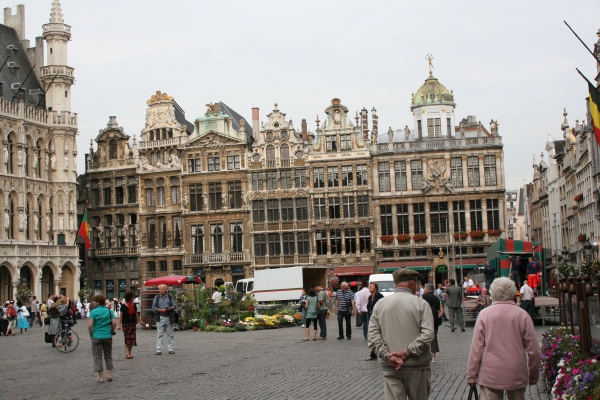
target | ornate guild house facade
[{"x": 38, "y": 160}]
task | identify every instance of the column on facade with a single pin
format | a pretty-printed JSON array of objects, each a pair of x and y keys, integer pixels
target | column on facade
[
  {"x": 427, "y": 220},
  {"x": 500, "y": 170},
  {"x": 451, "y": 219},
  {"x": 465, "y": 173},
  {"x": 392, "y": 177},
  {"x": 467, "y": 228},
  {"x": 376, "y": 221},
  {"x": 408, "y": 177},
  {"x": 484, "y": 214},
  {"x": 481, "y": 171},
  {"x": 56, "y": 287}
]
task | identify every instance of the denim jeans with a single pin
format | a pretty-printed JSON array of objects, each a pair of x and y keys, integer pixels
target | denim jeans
[
  {"x": 365, "y": 317},
  {"x": 341, "y": 316},
  {"x": 323, "y": 323},
  {"x": 161, "y": 326},
  {"x": 527, "y": 305},
  {"x": 304, "y": 316}
]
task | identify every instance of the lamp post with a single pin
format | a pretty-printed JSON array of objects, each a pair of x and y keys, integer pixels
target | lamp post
[{"x": 565, "y": 253}]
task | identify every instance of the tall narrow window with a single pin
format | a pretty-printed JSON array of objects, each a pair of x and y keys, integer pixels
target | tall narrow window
[
  {"x": 233, "y": 162},
  {"x": 489, "y": 165},
  {"x": 493, "y": 214},
  {"x": 236, "y": 235},
  {"x": 348, "y": 206},
  {"x": 386, "y": 219},
  {"x": 274, "y": 244},
  {"x": 27, "y": 163},
  {"x": 258, "y": 211},
  {"x": 320, "y": 210},
  {"x": 273, "y": 210},
  {"x": 361, "y": 175},
  {"x": 162, "y": 232},
  {"x": 419, "y": 217},
  {"x": 363, "y": 206},
  {"x": 195, "y": 197},
  {"x": 38, "y": 166},
  {"x": 119, "y": 197},
  {"x": 302, "y": 209},
  {"x": 176, "y": 231},
  {"x": 271, "y": 161},
  {"x": 160, "y": 192},
  {"x": 177, "y": 265},
  {"x": 27, "y": 219},
  {"x": 260, "y": 245},
  {"x": 346, "y": 142},
  {"x": 434, "y": 127},
  {"x": 473, "y": 170},
  {"x": 271, "y": 180},
  {"x": 289, "y": 247},
  {"x": 416, "y": 171},
  {"x": 331, "y": 142},
  {"x": 350, "y": 240},
  {"x": 197, "y": 239},
  {"x": 321, "y": 242},
  {"x": 347, "y": 178},
  {"x": 235, "y": 195},
  {"x": 449, "y": 126},
  {"x": 287, "y": 209},
  {"x": 456, "y": 172},
  {"x": 318, "y": 177},
  {"x": 175, "y": 196},
  {"x": 258, "y": 179},
  {"x": 112, "y": 149},
  {"x": 384, "y": 176},
  {"x": 194, "y": 165},
  {"x": 285, "y": 178},
  {"x": 214, "y": 162},
  {"x": 419, "y": 128},
  {"x": 335, "y": 236},
  {"x": 300, "y": 178},
  {"x": 38, "y": 228},
  {"x": 214, "y": 195},
  {"x": 106, "y": 192},
  {"x": 438, "y": 217},
  {"x": 151, "y": 233},
  {"x": 150, "y": 197},
  {"x": 284, "y": 153},
  {"x": 332, "y": 177},
  {"x": 364, "y": 240},
  {"x": 476, "y": 215},
  {"x": 400, "y": 175},
  {"x": 303, "y": 243},
  {"x": 460, "y": 222},
  {"x": 334, "y": 208},
  {"x": 11, "y": 219},
  {"x": 132, "y": 194},
  {"x": 402, "y": 218},
  {"x": 162, "y": 265},
  {"x": 216, "y": 238}
]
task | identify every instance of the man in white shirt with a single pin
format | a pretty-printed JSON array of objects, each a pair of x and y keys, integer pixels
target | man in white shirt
[
  {"x": 362, "y": 298},
  {"x": 527, "y": 298},
  {"x": 34, "y": 311},
  {"x": 468, "y": 283},
  {"x": 215, "y": 300},
  {"x": 50, "y": 301}
]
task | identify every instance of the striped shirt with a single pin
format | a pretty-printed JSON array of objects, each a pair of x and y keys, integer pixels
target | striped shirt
[{"x": 343, "y": 298}]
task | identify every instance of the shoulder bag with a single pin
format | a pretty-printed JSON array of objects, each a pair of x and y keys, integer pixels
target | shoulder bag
[{"x": 473, "y": 395}]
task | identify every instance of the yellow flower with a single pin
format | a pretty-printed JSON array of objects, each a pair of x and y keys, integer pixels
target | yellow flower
[{"x": 248, "y": 319}]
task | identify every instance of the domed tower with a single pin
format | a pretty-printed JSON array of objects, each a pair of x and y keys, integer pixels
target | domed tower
[{"x": 433, "y": 110}]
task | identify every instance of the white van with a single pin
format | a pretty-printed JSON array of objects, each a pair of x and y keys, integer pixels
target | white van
[{"x": 385, "y": 283}]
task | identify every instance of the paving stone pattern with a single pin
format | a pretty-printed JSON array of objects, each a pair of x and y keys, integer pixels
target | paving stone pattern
[{"x": 268, "y": 364}]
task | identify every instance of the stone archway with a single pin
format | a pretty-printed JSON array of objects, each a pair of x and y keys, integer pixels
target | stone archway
[
  {"x": 27, "y": 277},
  {"x": 67, "y": 285},
  {"x": 47, "y": 282},
  {"x": 6, "y": 292},
  {"x": 440, "y": 268},
  {"x": 219, "y": 282}
]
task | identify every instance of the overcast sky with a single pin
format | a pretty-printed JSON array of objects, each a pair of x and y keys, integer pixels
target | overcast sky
[{"x": 508, "y": 60}]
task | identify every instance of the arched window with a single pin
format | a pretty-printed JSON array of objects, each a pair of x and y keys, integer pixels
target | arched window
[
  {"x": 284, "y": 153},
  {"x": 38, "y": 235},
  {"x": 27, "y": 163},
  {"x": 27, "y": 221},
  {"x": 270, "y": 156},
  {"x": 11, "y": 155},
  {"x": 112, "y": 150},
  {"x": 38, "y": 154}
]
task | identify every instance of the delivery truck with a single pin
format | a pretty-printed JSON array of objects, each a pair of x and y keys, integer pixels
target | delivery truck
[{"x": 282, "y": 284}]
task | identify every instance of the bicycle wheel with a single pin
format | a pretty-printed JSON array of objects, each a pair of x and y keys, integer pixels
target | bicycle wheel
[{"x": 66, "y": 342}]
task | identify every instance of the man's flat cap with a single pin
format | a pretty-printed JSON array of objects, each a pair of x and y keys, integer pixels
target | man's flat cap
[{"x": 404, "y": 275}]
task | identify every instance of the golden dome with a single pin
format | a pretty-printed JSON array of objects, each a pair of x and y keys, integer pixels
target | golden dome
[{"x": 432, "y": 92}]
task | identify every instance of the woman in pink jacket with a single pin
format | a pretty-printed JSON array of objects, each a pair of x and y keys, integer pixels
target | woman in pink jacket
[{"x": 503, "y": 336}]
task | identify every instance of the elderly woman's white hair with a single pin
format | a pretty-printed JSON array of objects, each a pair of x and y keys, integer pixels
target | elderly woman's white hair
[{"x": 503, "y": 289}]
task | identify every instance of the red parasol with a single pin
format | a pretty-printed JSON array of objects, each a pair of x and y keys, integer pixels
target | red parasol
[{"x": 172, "y": 280}]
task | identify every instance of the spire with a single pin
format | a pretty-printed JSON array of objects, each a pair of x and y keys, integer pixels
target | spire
[{"x": 56, "y": 16}]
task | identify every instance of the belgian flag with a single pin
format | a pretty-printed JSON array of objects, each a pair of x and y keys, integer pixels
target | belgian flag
[{"x": 595, "y": 110}]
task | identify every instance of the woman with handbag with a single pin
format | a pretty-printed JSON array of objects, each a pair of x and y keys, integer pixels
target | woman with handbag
[
  {"x": 128, "y": 318},
  {"x": 101, "y": 326},
  {"x": 22, "y": 315},
  {"x": 311, "y": 314},
  {"x": 373, "y": 299}
]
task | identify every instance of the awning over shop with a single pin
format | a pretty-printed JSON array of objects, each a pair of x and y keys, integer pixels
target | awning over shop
[
  {"x": 353, "y": 271},
  {"x": 470, "y": 263},
  {"x": 417, "y": 265}
]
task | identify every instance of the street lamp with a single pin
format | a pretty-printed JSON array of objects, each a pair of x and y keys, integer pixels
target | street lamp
[
  {"x": 564, "y": 253},
  {"x": 587, "y": 249}
]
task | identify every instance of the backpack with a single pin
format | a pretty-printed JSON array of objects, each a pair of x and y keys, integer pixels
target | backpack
[
  {"x": 327, "y": 302},
  {"x": 10, "y": 312},
  {"x": 72, "y": 312}
]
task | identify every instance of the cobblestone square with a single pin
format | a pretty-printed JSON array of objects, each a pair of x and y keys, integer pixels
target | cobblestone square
[{"x": 268, "y": 364}]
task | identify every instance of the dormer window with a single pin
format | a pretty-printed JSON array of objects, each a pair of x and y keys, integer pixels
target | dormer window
[{"x": 112, "y": 149}]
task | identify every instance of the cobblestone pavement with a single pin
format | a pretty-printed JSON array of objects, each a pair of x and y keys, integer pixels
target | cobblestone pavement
[{"x": 269, "y": 364}]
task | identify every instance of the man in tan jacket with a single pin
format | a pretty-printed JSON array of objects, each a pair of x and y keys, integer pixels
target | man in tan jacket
[{"x": 400, "y": 331}]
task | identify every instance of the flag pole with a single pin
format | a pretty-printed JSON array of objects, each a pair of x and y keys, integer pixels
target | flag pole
[
  {"x": 77, "y": 234},
  {"x": 582, "y": 42}
]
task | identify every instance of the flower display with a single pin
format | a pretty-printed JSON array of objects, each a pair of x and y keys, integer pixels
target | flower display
[
  {"x": 419, "y": 237},
  {"x": 24, "y": 295},
  {"x": 495, "y": 232},
  {"x": 387, "y": 238},
  {"x": 566, "y": 270},
  {"x": 578, "y": 198},
  {"x": 586, "y": 267},
  {"x": 477, "y": 234},
  {"x": 403, "y": 237},
  {"x": 462, "y": 235}
]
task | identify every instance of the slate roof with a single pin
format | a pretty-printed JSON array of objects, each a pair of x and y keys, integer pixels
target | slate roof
[
  {"x": 180, "y": 117},
  {"x": 236, "y": 119},
  {"x": 8, "y": 76}
]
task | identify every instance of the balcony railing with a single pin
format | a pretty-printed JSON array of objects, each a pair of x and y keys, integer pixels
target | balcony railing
[
  {"x": 115, "y": 251},
  {"x": 28, "y": 250},
  {"x": 112, "y": 164},
  {"x": 175, "y": 141},
  {"x": 218, "y": 258}
]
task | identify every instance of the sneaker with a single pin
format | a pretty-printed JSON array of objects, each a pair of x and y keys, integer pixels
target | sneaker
[
  {"x": 463, "y": 330},
  {"x": 340, "y": 338},
  {"x": 171, "y": 352},
  {"x": 303, "y": 326},
  {"x": 433, "y": 360},
  {"x": 158, "y": 353},
  {"x": 349, "y": 337}
]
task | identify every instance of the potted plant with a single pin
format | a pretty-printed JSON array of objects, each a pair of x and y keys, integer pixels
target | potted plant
[
  {"x": 582, "y": 238},
  {"x": 24, "y": 295},
  {"x": 462, "y": 235},
  {"x": 248, "y": 303},
  {"x": 495, "y": 232},
  {"x": 578, "y": 198},
  {"x": 85, "y": 293},
  {"x": 419, "y": 237},
  {"x": 477, "y": 234},
  {"x": 195, "y": 324},
  {"x": 387, "y": 238},
  {"x": 403, "y": 237}
]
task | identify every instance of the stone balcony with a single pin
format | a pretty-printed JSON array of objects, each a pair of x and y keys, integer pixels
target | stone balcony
[{"x": 217, "y": 258}]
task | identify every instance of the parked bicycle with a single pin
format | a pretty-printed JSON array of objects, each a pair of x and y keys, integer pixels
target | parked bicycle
[{"x": 66, "y": 340}]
